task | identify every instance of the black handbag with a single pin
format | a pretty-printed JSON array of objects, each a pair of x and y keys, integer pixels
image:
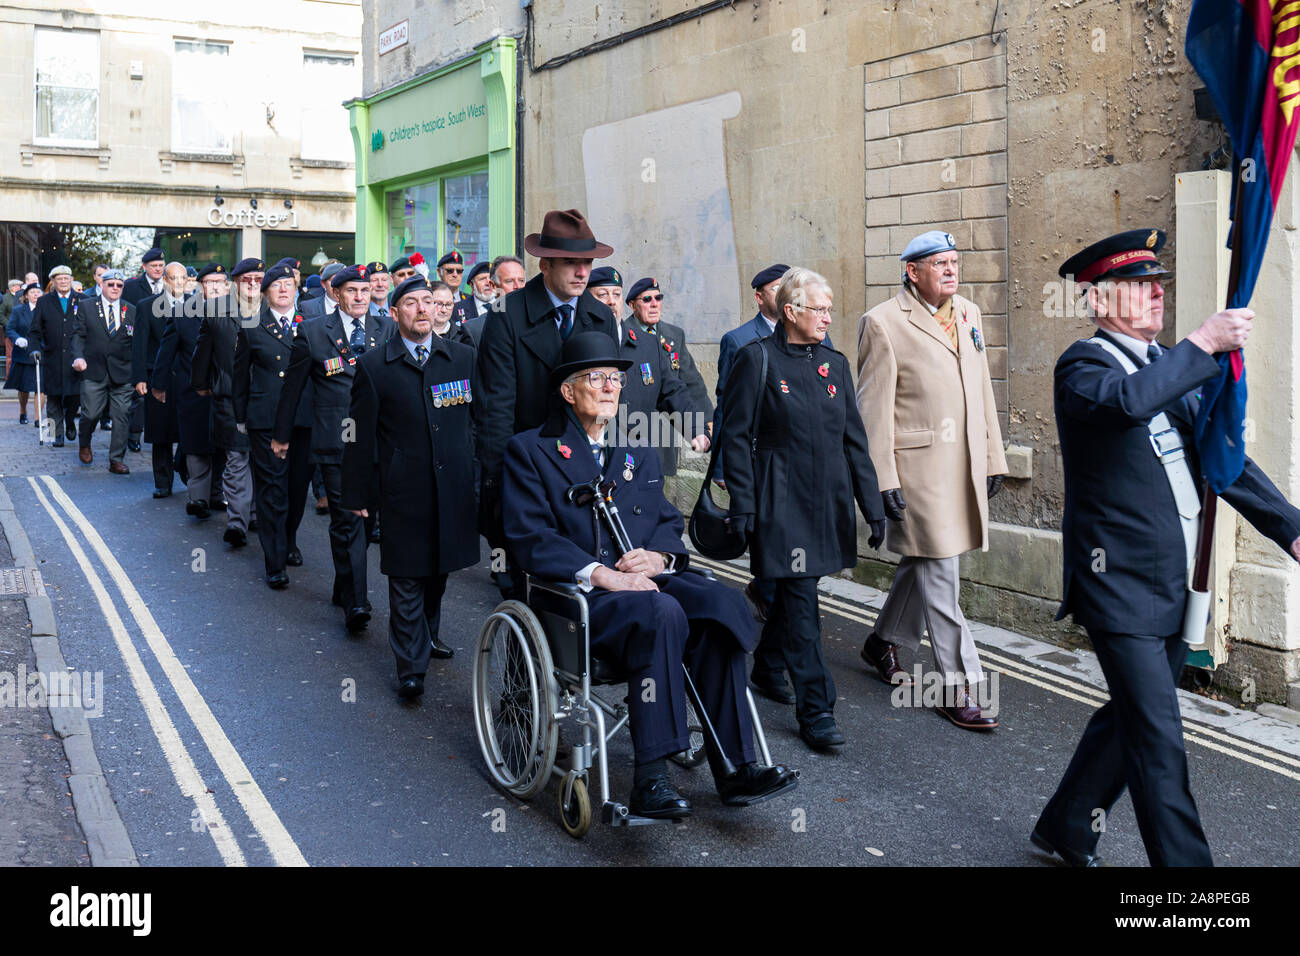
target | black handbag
[{"x": 709, "y": 531}]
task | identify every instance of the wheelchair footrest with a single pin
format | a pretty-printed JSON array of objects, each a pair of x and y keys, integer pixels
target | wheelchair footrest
[{"x": 618, "y": 815}]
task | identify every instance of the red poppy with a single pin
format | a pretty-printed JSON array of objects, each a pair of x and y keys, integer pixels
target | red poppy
[
  {"x": 824, "y": 369},
  {"x": 631, "y": 334},
  {"x": 564, "y": 449}
]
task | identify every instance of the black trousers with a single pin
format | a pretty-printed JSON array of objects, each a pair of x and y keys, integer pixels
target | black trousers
[
  {"x": 137, "y": 414},
  {"x": 794, "y": 624},
  {"x": 274, "y": 484},
  {"x": 769, "y": 656},
  {"x": 1134, "y": 740},
  {"x": 61, "y": 410},
  {"x": 164, "y": 464},
  {"x": 414, "y": 615},
  {"x": 347, "y": 541}
]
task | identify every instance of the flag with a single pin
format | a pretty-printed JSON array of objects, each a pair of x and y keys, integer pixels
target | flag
[{"x": 1247, "y": 53}]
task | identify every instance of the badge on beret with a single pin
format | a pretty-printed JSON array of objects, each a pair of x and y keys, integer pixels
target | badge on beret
[
  {"x": 628, "y": 463},
  {"x": 977, "y": 339},
  {"x": 830, "y": 390},
  {"x": 563, "y": 449},
  {"x": 824, "y": 369},
  {"x": 647, "y": 377},
  {"x": 784, "y": 387}
]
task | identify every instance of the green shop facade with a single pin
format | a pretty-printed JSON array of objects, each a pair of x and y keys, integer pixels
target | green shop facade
[{"x": 436, "y": 162}]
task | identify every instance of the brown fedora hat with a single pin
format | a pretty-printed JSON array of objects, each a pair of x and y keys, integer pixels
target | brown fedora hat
[{"x": 565, "y": 234}]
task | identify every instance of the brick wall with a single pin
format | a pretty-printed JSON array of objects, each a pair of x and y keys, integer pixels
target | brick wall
[{"x": 936, "y": 157}]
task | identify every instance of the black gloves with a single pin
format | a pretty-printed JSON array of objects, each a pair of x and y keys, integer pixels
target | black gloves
[
  {"x": 741, "y": 524},
  {"x": 994, "y": 484},
  {"x": 894, "y": 503},
  {"x": 877, "y": 534}
]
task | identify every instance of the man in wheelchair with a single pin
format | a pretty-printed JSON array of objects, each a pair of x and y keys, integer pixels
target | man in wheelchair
[{"x": 648, "y": 611}]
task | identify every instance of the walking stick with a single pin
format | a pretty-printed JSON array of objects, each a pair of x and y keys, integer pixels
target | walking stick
[{"x": 40, "y": 411}]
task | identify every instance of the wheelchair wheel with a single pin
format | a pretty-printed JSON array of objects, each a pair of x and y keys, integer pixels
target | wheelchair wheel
[
  {"x": 514, "y": 700},
  {"x": 694, "y": 755},
  {"x": 575, "y": 807}
]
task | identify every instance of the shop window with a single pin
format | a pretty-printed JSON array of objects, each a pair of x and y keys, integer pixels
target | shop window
[
  {"x": 67, "y": 87},
  {"x": 200, "y": 114},
  {"x": 435, "y": 218},
  {"x": 329, "y": 80},
  {"x": 466, "y": 219}
]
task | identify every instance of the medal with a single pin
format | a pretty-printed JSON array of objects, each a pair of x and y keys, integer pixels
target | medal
[
  {"x": 830, "y": 390},
  {"x": 436, "y": 392},
  {"x": 977, "y": 339},
  {"x": 628, "y": 462},
  {"x": 784, "y": 387},
  {"x": 469, "y": 395},
  {"x": 647, "y": 377}
]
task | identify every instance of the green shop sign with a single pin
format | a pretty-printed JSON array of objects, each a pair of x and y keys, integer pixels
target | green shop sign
[{"x": 434, "y": 124}]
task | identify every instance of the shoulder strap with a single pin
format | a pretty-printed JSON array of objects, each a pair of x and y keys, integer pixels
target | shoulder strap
[{"x": 758, "y": 398}]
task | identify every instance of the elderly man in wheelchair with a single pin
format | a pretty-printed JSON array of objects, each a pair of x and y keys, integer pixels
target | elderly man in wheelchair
[{"x": 582, "y": 509}]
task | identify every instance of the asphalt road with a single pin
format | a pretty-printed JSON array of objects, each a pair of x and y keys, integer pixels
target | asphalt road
[{"x": 308, "y": 774}]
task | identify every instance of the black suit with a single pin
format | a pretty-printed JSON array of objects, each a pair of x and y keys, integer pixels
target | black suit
[
  {"x": 262, "y": 354},
  {"x": 654, "y": 386},
  {"x": 426, "y": 487},
  {"x": 161, "y": 419},
  {"x": 650, "y": 633},
  {"x": 321, "y": 354},
  {"x": 516, "y": 353},
  {"x": 1125, "y": 575},
  {"x": 213, "y": 368},
  {"x": 108, "y": 381},
  {"x": 137, "y": 288}
]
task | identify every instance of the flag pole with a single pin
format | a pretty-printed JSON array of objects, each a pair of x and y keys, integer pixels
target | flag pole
[{"x": 1209, "y": 500}]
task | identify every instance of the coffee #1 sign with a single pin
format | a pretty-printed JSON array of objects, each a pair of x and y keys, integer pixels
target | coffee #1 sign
[{"x": 252, "y": 217}]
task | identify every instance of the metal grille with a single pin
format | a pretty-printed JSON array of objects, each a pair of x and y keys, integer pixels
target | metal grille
[{"x": 20, "y": 582}]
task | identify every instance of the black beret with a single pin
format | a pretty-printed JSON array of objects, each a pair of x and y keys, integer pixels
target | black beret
[
  {"x": 770, "y": 274},
  {"x": 247, "y": 265},
  {"x": 605, "y": 275},
  {"x": 153, "y": 255},
  {"x": 1125, "y": 255},
  {"x": 641, "y": 286},
  {"x": 212, "y": 268},
  {"x": 276, "y": 271},
  {"x": 376, "y": 267},
  {"x": 291, "y": 262},
  {"x": 451, "y": 258},
  {"x": 402, "y": 263},
  {"x": 416, "y": 283},
  {"x": 350, "y": 274},
  {"x": 480, "y": 267},
  {"x": 190, "y": 272}
]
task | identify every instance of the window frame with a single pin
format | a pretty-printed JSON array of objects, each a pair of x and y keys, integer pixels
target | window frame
[
  {"x": 39, "y": 140},
  {"x": 345, "y": 156},
  {"x": 182, "y": 150}
]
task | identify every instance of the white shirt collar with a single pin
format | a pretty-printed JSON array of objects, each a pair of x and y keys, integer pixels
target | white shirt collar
[
  {"x": 1137, "y": 346},
  {"x": 770, "y": 323}
]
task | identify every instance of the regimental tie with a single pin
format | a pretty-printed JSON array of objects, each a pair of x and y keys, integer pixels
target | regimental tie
[
  {"x": 112, "y": 319},
  {"x": 421, "y": 354},
  {"x": 1153, "y": 353},
  {"x": 566, "y": 320},
  {"x": 284, "y": 324},
  {"x": 357, "y": 342}
]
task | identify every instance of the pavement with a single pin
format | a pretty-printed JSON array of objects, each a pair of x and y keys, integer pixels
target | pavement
[{"x": 242, "y": 726}]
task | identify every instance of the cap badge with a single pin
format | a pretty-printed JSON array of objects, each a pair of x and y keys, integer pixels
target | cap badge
[{"x": 1151, "y": 239}]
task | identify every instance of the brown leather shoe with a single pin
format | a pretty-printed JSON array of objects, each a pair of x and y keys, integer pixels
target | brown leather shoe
[
  {"x": 881, "y": 655},
  {"x": 966, "y": 714},
  {"x": 117, "y": 468},
  {"x": 86, "y": 455}
]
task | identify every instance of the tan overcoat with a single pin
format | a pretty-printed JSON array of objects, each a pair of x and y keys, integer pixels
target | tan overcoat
[{"x": 932, "y": 424}]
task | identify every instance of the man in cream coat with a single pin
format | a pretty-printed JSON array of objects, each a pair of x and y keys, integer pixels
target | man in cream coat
[{"x": 927, "y": 402}]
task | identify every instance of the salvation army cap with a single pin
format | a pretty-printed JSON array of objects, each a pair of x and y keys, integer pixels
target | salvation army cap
[
  {"x": 640, "y": 287},
  {"x": 153, "y": 255},
  {"x": 350, "y": 274},
  {"x": 770, "y": 274},
  {"x": 277, "y": 271},
  {"x": 452, "y": 258},
  {"x": 928, "y": 244},
  {"x": 212, "y": 268},
  {"x": 247, "y": 265},
  {"x": 1125, "y": 255},
  {"x": 605, "y": 275}
]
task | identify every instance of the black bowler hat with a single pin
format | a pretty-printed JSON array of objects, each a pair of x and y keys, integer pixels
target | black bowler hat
[
  {"x": 376, "y": 267},
  {"x": 276, "y": 271},
  {"x": 451, "y": 258},
  {"x": 416, "y": 283},
  {"x": 640, "y": 287},
  {"x": 770, "y": 274},
  {"x": 587, "y": 350},
  {"x": 1125, "y": 255},
  {"x": 605, "y": 275},
  {"x": 247, "y": 265},
  {"x": 480, "y": 267},
  {"x": 402, "y": 263},
  {"x": 153, "y": 255},
  {"x": 212, "y": 268},
  {"x": 350, "y": 274}
]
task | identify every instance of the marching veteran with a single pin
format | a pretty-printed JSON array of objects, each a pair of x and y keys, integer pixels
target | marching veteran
[
  {"x": 927, "y": 403},
  {"x": 648, "y": 612},
  {"x": 1118, "y": 396}
]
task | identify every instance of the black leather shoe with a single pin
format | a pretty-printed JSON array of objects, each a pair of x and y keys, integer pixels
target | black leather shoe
[
  {"x": 1051, "y": 845},
  {"x": 162, "y": 492},
  {"x": 754, "y": 784},
  {"x": 198, "y": 509},
  {"x": 132, "y": 444},
  {"x": 441, "y": 650},
  {"x": 773, "y": 686},
  {"x": 374, "y": 535},
  {"x": 410, "y": 688},
  {"x": 252, "y": 526},
  {"x": 58, "y": 442},
  {"x": 821, "y": 733},
  {"x": 106, "y": 425},
  {"x": 277, "y": 581},
  {"x": 235, "y": 538},
  {"x": 357, "y": 618},
  {"x": 293, "y": 558},
  {"x": 218, "y": 504},
  {"x": 655, "y": 798}
]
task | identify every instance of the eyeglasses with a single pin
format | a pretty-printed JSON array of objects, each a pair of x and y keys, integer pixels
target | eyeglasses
[
  {"x": 943, "y": 263},
  {"x": 113, "y": 285},
  {"x": 596, "y": 379},
  {"x": 457, "y": 269},
  {"x": 443, "y": 306},
  {"x": 824, "y": 311},
  {"x": 653, "y": 298}
]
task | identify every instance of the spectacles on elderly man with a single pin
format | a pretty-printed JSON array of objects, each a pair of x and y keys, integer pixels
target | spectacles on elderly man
[
  {"x": 942, "y": 263},
  {"x": 596, "y": 378}
]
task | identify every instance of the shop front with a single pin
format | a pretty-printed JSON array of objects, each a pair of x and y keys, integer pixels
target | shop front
[{"x": 436, "y": 161}]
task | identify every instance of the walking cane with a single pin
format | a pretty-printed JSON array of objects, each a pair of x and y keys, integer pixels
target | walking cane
[
  {"x": 600, "y": 495},
  {"x": 40, "y": 411}
]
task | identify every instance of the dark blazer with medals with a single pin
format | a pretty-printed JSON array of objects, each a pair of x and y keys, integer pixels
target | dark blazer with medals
[
  {"x": 516, "y": 353},
  {"x": 812, "y": 461},
  {"x": 419, "y": 442},
  {"x": 51, "y": 336},
  {"x": 107, "y": 355},
  {"x": 654, "y": 386},
  {"x": 174, "y": 367},
  {"x": 261, "y": 365},
  {"x": 1117, "y": 498}
]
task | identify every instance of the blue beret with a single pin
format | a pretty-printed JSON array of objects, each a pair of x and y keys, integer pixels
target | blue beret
[
  {"x": 153, "y": 255},
  {"x": 770, "y": 274},
  {"x": 117, "y": 274},
  {"x": 481, "y": 267},
  {"x": 605, "y": 275},
  {"x": 313, "y": 282},
  {"x": 276, "y": 271},
  {"x": 451, "y": 258},
  {"x": 641, "y": 286},
  {"x": 416, "y": 283},
  {"x": 212, "y": 268},
  {"x": 927, "y": 244},
  {"x": 350, "y": 274},
  {"x": 191, "y": 272},
  {"x": 247, "y": 265}
]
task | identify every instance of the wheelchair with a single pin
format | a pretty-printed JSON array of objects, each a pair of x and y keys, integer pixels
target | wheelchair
[{"x": 533, "y": 670}]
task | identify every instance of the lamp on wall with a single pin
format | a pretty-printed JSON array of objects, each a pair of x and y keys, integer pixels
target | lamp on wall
[{"x": 320, "y": 258}]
